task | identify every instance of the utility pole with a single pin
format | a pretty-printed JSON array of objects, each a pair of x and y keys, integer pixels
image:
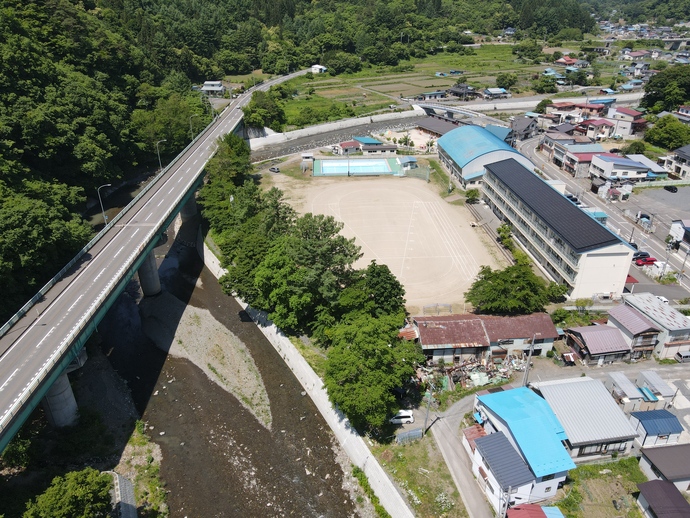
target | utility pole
[
  {"x": 428, "y": 405},
  {"x": 529, "y": 361}
]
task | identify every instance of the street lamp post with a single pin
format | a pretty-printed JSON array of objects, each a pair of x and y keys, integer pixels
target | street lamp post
[
  {"x": 191, "y": 130},
  {"x": 105, "y": 218},
  {"x": 158, "y": 151}
]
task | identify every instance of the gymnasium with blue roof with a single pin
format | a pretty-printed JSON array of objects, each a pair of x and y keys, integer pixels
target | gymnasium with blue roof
[
  {"x": 532, "y": 427},
  {"x": 466, "y": 150}
]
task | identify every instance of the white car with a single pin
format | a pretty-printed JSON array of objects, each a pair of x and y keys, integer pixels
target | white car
[
  {"x": 402, "y": 417},
  {"x": 662, "y": 299}
]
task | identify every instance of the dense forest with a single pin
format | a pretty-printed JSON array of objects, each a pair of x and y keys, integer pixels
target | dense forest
[
  {"x": 663, "y": 12},
  {"x": 88, "y": 86}
]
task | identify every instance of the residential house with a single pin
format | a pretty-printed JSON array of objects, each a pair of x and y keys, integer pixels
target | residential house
[
  {"x": 466, "y": 150},
  {"x": 625, "y": 393},
  {"x": 656, "y": 171},
  {"x": 454, "y": 338},
  {"x": 501, "y": 472},
  {"x": 533, "y": 430},
  {"x": 496, "y": 93},
  {"x": 524, "y": 127},
  {"x": 550, "y": 72},
  {"x": 670, "y": 463},
  {"x": 635, "y": 55},
  {"x": 556, "y": 145},
  {"x": 674, "y": 327},
  {"x": 661, "y": 499},
  {"x": 429, "y": 96},
  {"x": 656, "y": 427},
  {"x": 651, "y": 384},
  {"x": 213, "y": 88},
  {"x": 592, "y": 421},
  {"x": 597, "y": 129},
  {"x": 578, "y": 164},
  {"x": 617, "y": 168},
  {"x": 565, "y": 61},
  {"x": 678, "y": 163},
  {"x": 464, "y": 91},
  {"x": 565, "y": 129},
  {"x": 627, "y": 120},
  {"x": 637, "y": 330},
  {"x": 602, "y": 344},
  {"x": 568, "y": 245}
]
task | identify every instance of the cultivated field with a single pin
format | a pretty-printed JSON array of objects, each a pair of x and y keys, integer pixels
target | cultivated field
[{"x": 427, "y": 242}]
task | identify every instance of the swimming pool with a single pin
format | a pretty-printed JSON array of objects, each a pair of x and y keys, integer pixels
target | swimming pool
[{"x": 355, "y": 167}]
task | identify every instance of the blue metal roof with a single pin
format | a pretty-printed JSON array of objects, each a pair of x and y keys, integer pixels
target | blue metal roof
[
  {"x": 658, "y": 422},
  {"x": 406, "y": 159},
  {"x": 536, "y": 429},
  {"x": 468, "y": 143},
  {"x": 552, "y": 512},
  {"x": 499, "y": 131},
  {"x": 366, "y": 140}
]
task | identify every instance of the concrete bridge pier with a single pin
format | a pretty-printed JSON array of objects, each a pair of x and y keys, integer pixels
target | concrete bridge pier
[
  {"x": 188, "y": 210},
  {"x": 148, "y": 276},
  {"x": 449, "y": 114},
  {"x": 59, "y": 403}
]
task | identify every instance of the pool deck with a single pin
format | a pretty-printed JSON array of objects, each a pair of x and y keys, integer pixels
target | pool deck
[{"x": 358, "y": 167}]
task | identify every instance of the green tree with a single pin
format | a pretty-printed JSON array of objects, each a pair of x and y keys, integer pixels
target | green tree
[
  {"x": 528, "y": 49},
  {"x": 513, "y": 290},
  {"x": 79, "y": 494},
  {"x": 305, "y": 270},
  {"x": 506, "y": 80},
  {"x": 541, "y": 107},
  {"x": 636, "y": 147},
  {"x": 668, "y": 133},
  {"x": 364, "y": 364},
  {"x": 505, "y": 236},
  {"x": 472, "y": 196},
  {"x": 667, "y": 89},
  {"x": 264, "y": 111}
]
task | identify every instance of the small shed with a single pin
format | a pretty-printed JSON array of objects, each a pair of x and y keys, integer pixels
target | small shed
[
  {"x": 624, "y": 391},
  {"x": 656, "y": 427},
  {"x": 652, "y": 381},
  {"x": 318, "y": 69}
]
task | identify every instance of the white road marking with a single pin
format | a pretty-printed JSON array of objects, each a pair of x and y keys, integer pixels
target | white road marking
[
  {"x": 8, "y": 380},
  {"x": 147, "y": 217}
]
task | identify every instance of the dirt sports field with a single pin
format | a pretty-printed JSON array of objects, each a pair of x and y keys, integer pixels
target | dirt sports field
[{"x": 427, "y": 242}]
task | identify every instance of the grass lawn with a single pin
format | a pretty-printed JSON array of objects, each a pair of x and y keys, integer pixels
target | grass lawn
[
  {"x": 592, "y": 490},
  {"x": 419, "y": 469}
]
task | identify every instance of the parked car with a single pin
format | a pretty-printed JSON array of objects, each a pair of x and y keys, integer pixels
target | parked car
[
  {"x": 671, "y": 188},
  {"x": 634, "y": 245},
  {"x": 274, "y": 169},
  {"x": 662, "y": 299},
  {"x": 645, "y": 261},
  {"x": 640, "y": 254},
  {"x": 402, "y": 417},
  {"x": 682, "y": 356},
  {"x": 645, "y": 216}
]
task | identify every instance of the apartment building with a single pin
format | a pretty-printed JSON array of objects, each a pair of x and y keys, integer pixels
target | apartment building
[{"x": 568, "y": 245}]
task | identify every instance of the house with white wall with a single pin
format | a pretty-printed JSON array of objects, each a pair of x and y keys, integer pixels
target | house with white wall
[
  {"x": 670, "y": 463},
  {"x": 674, "y": 327},
  {"x": 533, "y": 430},
  {"x": 637, "y": 330},
  {"x": 501, "y": 472},
  {"x": 656, "y": 428},
  {"x": 617, "y": 168}
]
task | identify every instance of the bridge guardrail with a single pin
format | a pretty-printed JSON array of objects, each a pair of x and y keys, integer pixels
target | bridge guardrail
[{"x": 58, "y": 276}]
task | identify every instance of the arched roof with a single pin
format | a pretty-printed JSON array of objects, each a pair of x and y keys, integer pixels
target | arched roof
[{"x": 467, "y": 143}]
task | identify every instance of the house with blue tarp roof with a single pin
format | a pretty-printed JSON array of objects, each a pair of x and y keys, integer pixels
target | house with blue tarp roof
[
  {"x": 534, "y": 431},
  {"x": 465, "y": 152}
]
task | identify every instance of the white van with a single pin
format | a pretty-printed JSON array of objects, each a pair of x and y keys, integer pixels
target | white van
[{"x": 683, "y": 356}]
